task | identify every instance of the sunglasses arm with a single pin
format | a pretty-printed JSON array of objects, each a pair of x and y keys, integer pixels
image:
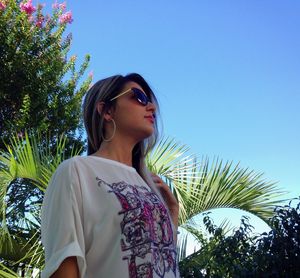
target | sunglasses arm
[{"x": 121, "y": 94}]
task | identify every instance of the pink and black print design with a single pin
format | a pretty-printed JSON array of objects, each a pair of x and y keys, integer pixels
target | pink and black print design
[{"x": 147, "y": 236}]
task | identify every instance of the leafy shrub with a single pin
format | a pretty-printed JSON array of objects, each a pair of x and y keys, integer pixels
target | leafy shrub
[{"x": 273, "y": 254}]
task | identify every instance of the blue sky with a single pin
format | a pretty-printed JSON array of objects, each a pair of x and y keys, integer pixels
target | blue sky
[{"x": 226, "y": 73}]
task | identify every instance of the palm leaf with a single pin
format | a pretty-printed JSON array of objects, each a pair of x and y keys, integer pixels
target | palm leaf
[
  {"x": 182, "y": 245},
  {"x": 228, "y": 186},
  {"x": 35, "y": 254},
  {"x": 5, "y": 272},
  {"x": 199, "y": 186},
  {"x": 26, "y": 159}
]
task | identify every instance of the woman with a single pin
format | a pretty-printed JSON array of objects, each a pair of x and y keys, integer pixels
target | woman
[{"x": 105, "y": 215}]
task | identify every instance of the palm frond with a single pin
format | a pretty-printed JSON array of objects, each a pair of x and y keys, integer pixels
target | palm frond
[
  {"x": 34, "y": 257},
  {"x": 9, "y": 244},
  {"x": 229, "y": 186},
  {"x": 28, "y": 160},
  {"x": 200, "y": 186},
  {"x": 5, "y": 272},
  {"x": 182, "y": 246}
]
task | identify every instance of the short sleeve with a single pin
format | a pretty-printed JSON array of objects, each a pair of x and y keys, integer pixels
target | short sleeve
[{"x": 61, "y": 220}]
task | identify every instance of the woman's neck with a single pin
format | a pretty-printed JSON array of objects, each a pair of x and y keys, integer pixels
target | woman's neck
[{"x": 118, "y": 150}]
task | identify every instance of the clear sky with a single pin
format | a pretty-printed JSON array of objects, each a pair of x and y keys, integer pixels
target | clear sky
[{"x": 226, "y": 73}]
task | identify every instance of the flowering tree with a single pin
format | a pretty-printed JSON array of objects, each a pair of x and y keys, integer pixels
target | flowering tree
[
  {"x": 39, "y": 81},
  {"x": 39, "y": 91}
]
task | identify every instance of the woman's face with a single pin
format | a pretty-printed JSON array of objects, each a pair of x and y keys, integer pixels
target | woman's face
[{"x": 132, "y": 119}]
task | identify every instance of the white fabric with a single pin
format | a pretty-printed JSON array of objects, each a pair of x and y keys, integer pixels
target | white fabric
[{"x": 102, "y": 212}]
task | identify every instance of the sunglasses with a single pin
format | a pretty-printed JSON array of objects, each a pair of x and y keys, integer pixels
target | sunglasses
[{"x": 139, "y": 95}]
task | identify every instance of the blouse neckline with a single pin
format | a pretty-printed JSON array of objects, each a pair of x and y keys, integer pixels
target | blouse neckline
[{"x": 114, "y": 162}]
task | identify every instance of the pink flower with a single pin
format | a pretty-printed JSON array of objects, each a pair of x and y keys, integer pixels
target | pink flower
[
  {"x": 55, "y": 5},
  {"x": 31, "y": 18},
  {"x": 66, "y": 18},
  {"x": 91, "y": 74},
  {"x": 2, "y": 6},
  {"x": 62, "y": 6},
  {"x": 27, "y": 7},
  {"x": 39, "y": 21}
]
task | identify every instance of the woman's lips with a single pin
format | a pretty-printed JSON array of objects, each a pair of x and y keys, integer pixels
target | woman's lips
[{"x": 150, "y": 118}]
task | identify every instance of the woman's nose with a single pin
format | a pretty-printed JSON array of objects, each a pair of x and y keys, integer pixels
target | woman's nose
[{"x": 151, "y": 107}]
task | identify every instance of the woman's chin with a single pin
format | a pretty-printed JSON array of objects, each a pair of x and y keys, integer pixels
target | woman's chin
[{"x": 147, "y": 132}]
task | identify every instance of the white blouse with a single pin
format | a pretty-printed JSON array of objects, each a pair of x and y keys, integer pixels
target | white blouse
[{"x": 103, "y": 212}]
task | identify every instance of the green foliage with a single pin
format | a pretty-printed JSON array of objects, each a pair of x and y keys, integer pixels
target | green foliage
[
  {"x": 25, "y": 170},
  {"x": 39, "y": 81},
  {"x": 220, "y": 255},
  {"x": 276, "y": 254}
]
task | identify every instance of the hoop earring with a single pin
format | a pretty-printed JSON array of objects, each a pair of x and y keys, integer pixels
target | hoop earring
[{"x": 109, "y": 139}]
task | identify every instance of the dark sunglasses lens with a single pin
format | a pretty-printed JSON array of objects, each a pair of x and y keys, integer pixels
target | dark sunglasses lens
[{"x": 140, "y": 96}]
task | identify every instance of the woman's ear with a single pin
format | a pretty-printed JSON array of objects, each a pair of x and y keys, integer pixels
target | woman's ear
[
  {"x": 107, "y": 112},
  {"x": 100, "y": 106}
]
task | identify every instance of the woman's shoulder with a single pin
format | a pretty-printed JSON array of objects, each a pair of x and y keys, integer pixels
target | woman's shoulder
[
  {"x": 68, "y": 163},
  {"x": 68, "y": 167},
  {"x": 73, "y": 161},
  {"x": 75, "y": 165},
  {"x": 68, "y": 171},
  {"x": 85, "y": 165}
]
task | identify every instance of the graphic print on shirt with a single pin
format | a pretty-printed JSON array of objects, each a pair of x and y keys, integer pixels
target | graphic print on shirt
[{"x": 147, "y": 237}]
